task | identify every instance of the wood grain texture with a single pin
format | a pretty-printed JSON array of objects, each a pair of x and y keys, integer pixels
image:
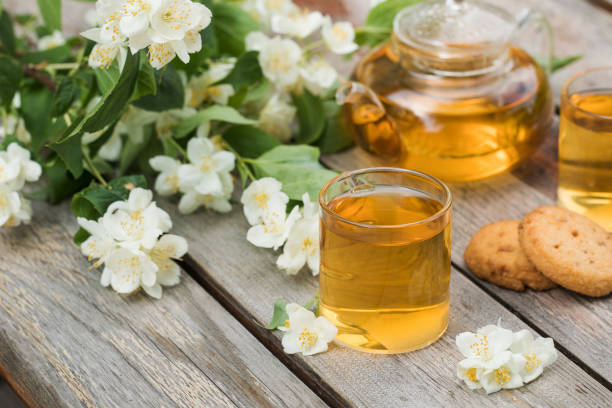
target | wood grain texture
[
  {"x": 67, "y": 341},
  {"x": 8, "y": 398},
  {"x": 422, "y": 378}
]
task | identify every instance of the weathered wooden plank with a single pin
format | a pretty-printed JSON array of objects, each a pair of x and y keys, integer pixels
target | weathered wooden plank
[
  {"x": 248, "y": 278},
  {"x": 8, "y": 398},
  {"x": 67, "y": 341}
]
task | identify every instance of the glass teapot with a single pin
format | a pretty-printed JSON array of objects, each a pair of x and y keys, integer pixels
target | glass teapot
[{"x": 449, "y": 95}]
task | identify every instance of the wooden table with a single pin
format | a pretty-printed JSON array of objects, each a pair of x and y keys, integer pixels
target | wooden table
[{"x": 67, "y": 341}]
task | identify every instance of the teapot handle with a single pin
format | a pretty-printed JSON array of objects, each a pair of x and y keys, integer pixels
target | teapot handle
[
  {"x": 371, "y": 126},
  {"x": 534, "y": 22}
]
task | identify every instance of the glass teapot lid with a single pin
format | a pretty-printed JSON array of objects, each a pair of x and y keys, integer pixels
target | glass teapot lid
[{"x": 454, "y": 37}]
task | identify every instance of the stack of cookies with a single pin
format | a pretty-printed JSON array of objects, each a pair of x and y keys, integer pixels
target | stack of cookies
[{"x": 550, "y": 246}]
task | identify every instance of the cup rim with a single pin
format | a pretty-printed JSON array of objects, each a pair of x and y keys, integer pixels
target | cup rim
[
  {"x": 565, "y": 91},
  {"x": 445, "y": 207}
]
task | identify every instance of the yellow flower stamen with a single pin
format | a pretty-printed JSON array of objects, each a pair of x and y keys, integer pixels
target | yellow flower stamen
[
  {"x": 471, "y": 374},
  {"x": 307, "y": 339},
  {"x": 502, "y": 376}
]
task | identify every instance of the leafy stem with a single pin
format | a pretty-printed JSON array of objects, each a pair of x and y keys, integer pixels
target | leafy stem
[
  {"x": 242, "y": 160},
  {"x": 93, "y": 168},
  {"x": 63, "y": 66},
  {"x": 178, "y": 147},
  {"x": 5, "y": 121}
]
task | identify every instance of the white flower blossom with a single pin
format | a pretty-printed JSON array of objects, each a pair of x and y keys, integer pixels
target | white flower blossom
[
  {"x": 339, "y": 36},
  {"x": 318, "y": 75},
  {"x": 486, "y": 343},
  {"x": 14, "y": 208},
  {"x": 263, "y": 196},
  {"x": 167, "y": 182},
  {"x": 51, "y": 41},
  {"x": 168, "y": 247},
  {"x": 302, "y": 245},
  {"x": 137, "y": 222},
  {"x": 263, "y": 10},
  {"x": 256, "y": 41},
  {"x": 129, "y": 270},
  {"x": 538, "y": 353},
  {"x": 99, "y": 244},
  {"x": 299, "y": 23},
  {"x": 306, "y": 334},
  {"x": 279, "y": 62},
  {"x": 15, "y": 127},
  {"x": 27, "y": 170},
  {"x": 504, "y": 372},
  {"x": 496, "y": 358},
  {"x": 201, "y": 88},
  {"x": 16, "y": 169},
  {"x": 273, "y": 230},
  {"x": 128, "y": 241},
  {"x": 206, "y": 164},
  {"x": 168, "y": 28},
  {"x": 276, "y": 117},
  {"x": 192, "y": 200}
]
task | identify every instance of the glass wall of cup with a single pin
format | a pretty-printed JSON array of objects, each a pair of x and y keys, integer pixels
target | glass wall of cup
[
  {"x": 385, "y": 258},
  {"x": 585, "y": 145}
]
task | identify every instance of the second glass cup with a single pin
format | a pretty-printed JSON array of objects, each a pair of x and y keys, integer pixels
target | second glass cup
[
  {"x": 385, "y": 258},
  {"x": 585, "y": 145}
]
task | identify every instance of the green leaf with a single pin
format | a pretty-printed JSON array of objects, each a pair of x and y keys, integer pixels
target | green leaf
[
  {"x": 7, "y": 35},
  {"x": 52, "y": 55},
  {"x": 336, "y": 135},
  {"x": 131, "y": 150},
  {"x": 313, "y": 304},
  {"x": 249, "y": 141},
  {"x": 246, "y": 71},
  {"x": 379, "y": 22},
  {"x": 80, "y": 236},
  {"x": 66, "y": 93},
  {"x": 36, "y": 112},
  {"x": 170, "y": 92},
  {"x": 296, "y": 167},
  {"x": 146, "y": 83},
  {"x": 280, "y": 316},
  {"x": 71, "y": 154},
  {"x": 51, "y": 12},
  {"x": 107, "y": 78},
  {"x": 311, "y": 116},
  {"x": 61, "y": 182},
  {"x": 112, "y": 105},
  {"x": 93, "y": 201},
  {"x": 214, "y": 112},
  {"x": 10, "y": 78},
  {"x": 231, "y": 25},
  {"x": 560, "y": 62}
]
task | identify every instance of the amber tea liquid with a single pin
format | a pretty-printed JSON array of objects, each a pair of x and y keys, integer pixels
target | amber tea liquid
[
  {"x": 385, "y": 288},
  {"x": 457, "y": 129},
  {"x": 585, "y": 155}
]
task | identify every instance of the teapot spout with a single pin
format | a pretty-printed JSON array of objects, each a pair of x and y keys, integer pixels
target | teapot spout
[
  {"x": 372, "y": 127},
  {"x": 367, "y": 108}
]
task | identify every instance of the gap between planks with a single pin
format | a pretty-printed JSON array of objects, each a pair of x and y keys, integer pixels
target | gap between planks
[{"x": 294, "y": 363}]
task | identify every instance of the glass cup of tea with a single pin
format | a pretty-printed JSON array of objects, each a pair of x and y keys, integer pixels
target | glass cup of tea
[
  {"x": 585, "y": 145},
  {"x": 385, "y": 258}
]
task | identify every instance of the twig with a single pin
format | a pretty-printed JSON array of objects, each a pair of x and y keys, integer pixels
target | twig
[
  {"x": 40, "y": 77},
  {"x": 93, "y": 168}
]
